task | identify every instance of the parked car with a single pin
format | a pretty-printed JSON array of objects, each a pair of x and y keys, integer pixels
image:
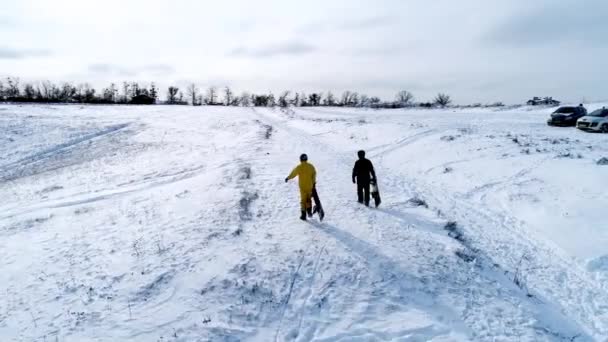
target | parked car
[
  {"x": 597, "y": 121},
  {"x": 566, "y": 116},
  {"x": 546, "y": 101}
]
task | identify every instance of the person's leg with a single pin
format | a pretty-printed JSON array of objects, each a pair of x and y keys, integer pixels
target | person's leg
[
  {"x": 303, "y": 204},
  {"x": 359, "y": 192},
  {"x": 366, "y": 190},
  {"x": 309, "y": 204}
]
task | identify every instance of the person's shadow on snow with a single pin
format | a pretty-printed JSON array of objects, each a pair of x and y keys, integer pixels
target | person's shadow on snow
[{"x": 413, "y": 290}]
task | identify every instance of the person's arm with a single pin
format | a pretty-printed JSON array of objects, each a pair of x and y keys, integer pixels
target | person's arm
[
  {"x": 293, "y": 173},
  {"x": 355, "y": 168}
]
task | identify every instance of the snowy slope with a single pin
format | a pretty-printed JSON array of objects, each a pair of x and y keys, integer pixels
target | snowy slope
[{"x": 174, "y": 224}]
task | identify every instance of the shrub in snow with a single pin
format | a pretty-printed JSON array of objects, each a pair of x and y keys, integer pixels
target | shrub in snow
[
  {"x": 245, "y": 172},
  {"x": 268, "y": 132},
  {"x": 466, "y": 255},
  {"x": 603, "y": 161},
  {"x": 245, "y": 202},
  {"x": 454, "y": 231},
  {"x": 417, "y": 202},
  {"x": 451, "y": 226}
]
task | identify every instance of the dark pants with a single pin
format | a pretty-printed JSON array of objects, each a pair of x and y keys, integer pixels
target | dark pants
[{"x": 363, "y": 189}]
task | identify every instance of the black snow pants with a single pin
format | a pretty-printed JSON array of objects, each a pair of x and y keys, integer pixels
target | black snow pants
[{"x": 363, "y": 191}]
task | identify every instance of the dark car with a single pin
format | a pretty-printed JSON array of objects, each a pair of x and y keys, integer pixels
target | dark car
[{"x": 566, "y": 116}]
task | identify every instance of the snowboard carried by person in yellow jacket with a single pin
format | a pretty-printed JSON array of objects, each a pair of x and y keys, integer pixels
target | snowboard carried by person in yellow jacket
[{"x": 318, "y": 208}]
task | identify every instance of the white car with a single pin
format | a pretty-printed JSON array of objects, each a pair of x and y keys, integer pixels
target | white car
[{"x": 597, "y": 121}]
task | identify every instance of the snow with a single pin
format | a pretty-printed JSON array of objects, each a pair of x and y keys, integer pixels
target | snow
[{"x": 170, "y": 223}]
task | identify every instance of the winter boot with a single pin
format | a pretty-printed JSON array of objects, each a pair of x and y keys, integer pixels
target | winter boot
[
  {"x": 303, "y": 216},
  {"x": 309, "y": 212}
]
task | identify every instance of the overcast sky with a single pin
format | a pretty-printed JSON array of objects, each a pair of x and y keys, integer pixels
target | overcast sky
[{"x": 474, "y": 50}]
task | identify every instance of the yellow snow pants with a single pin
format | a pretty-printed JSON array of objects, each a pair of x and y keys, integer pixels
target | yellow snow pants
[{"x": 305, "y": 199}]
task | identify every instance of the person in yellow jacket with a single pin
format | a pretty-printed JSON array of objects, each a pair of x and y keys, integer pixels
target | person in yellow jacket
[{"x": 307, "y": 178}]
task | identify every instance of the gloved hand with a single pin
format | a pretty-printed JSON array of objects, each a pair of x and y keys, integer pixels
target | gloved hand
[
  {"x": 354, "y": 182},
  {"x": 286, "y": 179}
]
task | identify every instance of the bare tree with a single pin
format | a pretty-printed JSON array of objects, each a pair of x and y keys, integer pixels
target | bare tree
[
  {"x": 330, "y": 99},
  {"x": 355, "y": 99},
  {"x": 153, "y": 92},
  {"x": 47, "y": 90},
  {"x": 172, "y": 95},
  {"x": 228, "y": 96},
  {"x": 314, "y": 99},
  {"x": 135, "y": 90},
  {"x": 112, "y": 92},
  {"x": 28, "y": 92},
  {"x": 364, "y": 102},
  {"x": 192, "y": 91},
  {"x": 283, "y": 99},
  {"x": 259, "y": 100},
  {"x": 86, "y": 93},
  {"x": 126, "y": 92},
  {"x": 442, "y": 100},
  {"x": 211, "y": 96},
  {"x": 245, "y": 99},
  {"x": 296, "y": 100},
  {"x": 349, "y": 99},
  {"x": 304, "y": 100},
  {"x": 12, "y": 89},
  {"x": 404, "y": 98},
  {"x": 345, "y": 98},
  {"x": 108, "y": 94}
]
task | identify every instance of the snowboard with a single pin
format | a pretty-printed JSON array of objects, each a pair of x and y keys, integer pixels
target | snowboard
[
  {"x": 375, "y": 192},
  {"x": 318, "y": 207}
]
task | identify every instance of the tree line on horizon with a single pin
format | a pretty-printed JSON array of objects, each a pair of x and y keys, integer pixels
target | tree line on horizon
[{"x": 11, "y": 90}]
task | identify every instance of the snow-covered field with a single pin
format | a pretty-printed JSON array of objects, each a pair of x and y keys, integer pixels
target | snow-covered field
[{"x": 170, "y": 223}]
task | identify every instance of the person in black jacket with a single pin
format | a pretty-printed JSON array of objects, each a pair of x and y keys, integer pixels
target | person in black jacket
[{"x": 363, "y": 173}]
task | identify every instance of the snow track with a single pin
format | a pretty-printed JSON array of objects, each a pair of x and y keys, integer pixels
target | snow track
[{"x": 175, "y": 224}]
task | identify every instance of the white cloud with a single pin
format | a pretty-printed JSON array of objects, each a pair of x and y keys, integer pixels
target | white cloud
[
  {"x": 10, "y": 53},
  {"x": 284, "y": 49}
]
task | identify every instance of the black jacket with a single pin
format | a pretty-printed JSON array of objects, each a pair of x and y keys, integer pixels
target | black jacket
[{"x": 362, "y": 171}]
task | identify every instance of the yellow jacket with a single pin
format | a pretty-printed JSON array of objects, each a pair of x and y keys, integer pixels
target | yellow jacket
[{"x": 307, "y": 176}]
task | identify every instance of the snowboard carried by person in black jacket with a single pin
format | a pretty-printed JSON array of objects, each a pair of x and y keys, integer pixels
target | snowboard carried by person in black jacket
[{"x": 375, "y": 192}]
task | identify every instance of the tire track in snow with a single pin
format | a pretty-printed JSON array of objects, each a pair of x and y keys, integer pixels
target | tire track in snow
[
  {"x": 109, "y": 194},
  {"x": 61, "y": 147},
  {"x": 391, "y": 147},
  {"x": 310, "y": 289},
  {"x": 291, "y": 285}
]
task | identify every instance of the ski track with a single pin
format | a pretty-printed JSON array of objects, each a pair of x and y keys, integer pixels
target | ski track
[{"x": 205, "y": 244}]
